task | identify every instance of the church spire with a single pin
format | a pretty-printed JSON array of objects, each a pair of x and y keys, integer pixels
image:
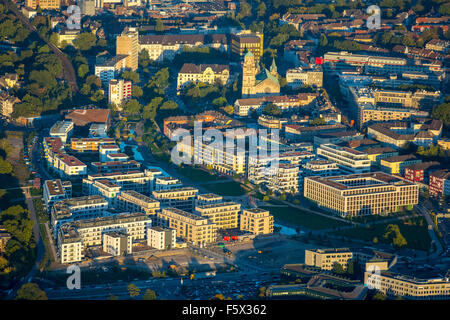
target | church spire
[{"x": 273, "y": 68}]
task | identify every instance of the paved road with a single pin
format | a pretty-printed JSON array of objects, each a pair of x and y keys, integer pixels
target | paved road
[
  {"x": 68, "y": 70},
  {"x": 431, "y": 232},
  {"x": 40, "y": 248},
  {"x": 166, "y": 288}
]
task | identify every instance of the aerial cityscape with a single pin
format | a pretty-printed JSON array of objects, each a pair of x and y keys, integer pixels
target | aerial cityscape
[{"x": 244, "y": 150}]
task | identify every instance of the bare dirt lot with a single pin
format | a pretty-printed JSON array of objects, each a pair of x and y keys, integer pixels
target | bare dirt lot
[{"x": 272, "y": 253}]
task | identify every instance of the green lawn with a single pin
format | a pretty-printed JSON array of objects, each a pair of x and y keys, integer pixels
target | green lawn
[
  {"x": 196, "y": 175},
  {"x": 230, "y": 188},
  {"x": 303, "y": 218},
  {"x": 417, "y": 236},
  {"x": 376, "y": 217}
]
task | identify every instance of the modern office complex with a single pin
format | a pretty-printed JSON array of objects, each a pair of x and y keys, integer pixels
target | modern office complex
[
  {"x": 361, "y": 194},
  {"x": 409, "y": 286}
]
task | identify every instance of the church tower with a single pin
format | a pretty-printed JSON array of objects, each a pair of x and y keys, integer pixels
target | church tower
[
  {"x": 273, "y": 68},
  {"x": 248, "y": 74}
]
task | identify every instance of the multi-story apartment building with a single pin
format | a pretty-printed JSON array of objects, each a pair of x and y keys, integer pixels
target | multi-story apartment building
[
  {"x": 397, "y": 164},
  {"x": 44, "y": 4},
  {"x": 283, "y": 178},
  {"x": 89, "y": 144},
  {"x": 438, "y": 45},
  {"x": 55, "y": 190},
  {"x": 165, "y": 47},
  {"x": 207, "y": 198},
  {"x": 298, "y": 77},
  {"x": 399, "y": 134},
  {"x": 361, "y": 194},
  {"x": 52, "y": 146},
  {"x": 420, "y": 172},
  {"x": 247, "y": 41},
  {"x": 104, "y": 150},
  {"x": 70, "y": 248},
  {"x": 68, "y": 166},
  {"x": 270, "y": 122},
  {"x": 107, "y": 189},
  {"x": 109, "y": 69},
  {"x": 267, "y": 169},
  {"x": 87, "y": 7},
  {"x": 115, "y": 166},
  {"x": 301, "y": 133},
  {"x": 243, "y": 107},
  {"x": 67, "y": 36},
  {"x": 190, "y": 227},
  {"x": 167, "y": 183},
  {"x": 256, "y": 221},
  {"x": 142, "y": 182},
  {"x": 337, "y": 137},
  {"x": 204, "y": 73},
  {"x": 370, "y": 114},
  {"x": 369, "y": 106},
  {"x": 72, "y": 209},
  {"x": 439, "y": 184},
  {"x": 117, "y": 243},
  {"x": 323, "y": 168},
  {"x": 226, "y": 161},
  {"x": 317, "y": 167},
  {"x": 224, "y": 214},
  {"x": 119, "y": 91},
  {"x": 128, "y": 44},
  {"x": 407, "y": 99},
  {"x": 62, "y": 130},
  {"x": 7, "y": 103},
  {"x": 377, "y": 154},
  {"x": 132, "y": 201},
  {"x": 348, "y": 160},
  {"x": 161, "y": 238},
  {"x": 338, "y": 61},
  {"x": 180, "y": 198},
  {"x": 4, "y": 238},
  {"x": 81, "y": 234},
  {"x": 410, "y": 287}
]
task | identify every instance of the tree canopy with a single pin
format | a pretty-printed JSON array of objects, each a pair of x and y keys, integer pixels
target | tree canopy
[{"x": 31, "y": 291}]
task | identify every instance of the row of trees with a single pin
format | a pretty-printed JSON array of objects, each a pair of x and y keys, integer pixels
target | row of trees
[{"x": 36, "y": 65}]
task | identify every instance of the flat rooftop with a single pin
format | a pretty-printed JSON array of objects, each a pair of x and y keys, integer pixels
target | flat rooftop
[
  {"x": 54, "y": 187},
  {"x": 358, "y": 181}
]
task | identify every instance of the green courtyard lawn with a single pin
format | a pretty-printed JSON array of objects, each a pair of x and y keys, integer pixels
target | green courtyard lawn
[
  {"x": 376, "y": 217},
  {"x": 302, "y": 218},
  {"x": 413, "y": 230},
  {"x": 229, "y": 188},
  {"x": 196, "y": 175}
]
